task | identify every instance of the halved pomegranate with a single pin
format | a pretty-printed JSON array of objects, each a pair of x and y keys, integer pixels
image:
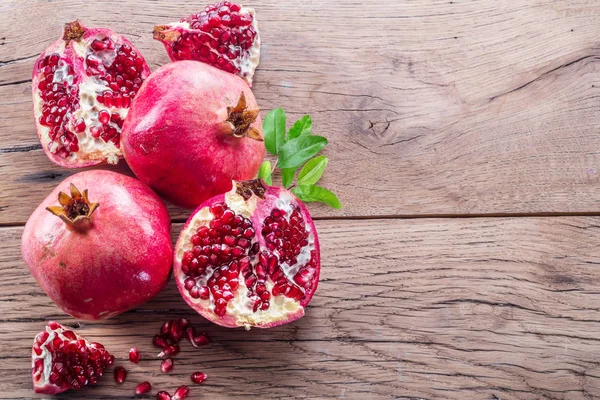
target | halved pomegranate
[
  {"x": 63, "y": 360},
  {"x": 82, "y": 87},
  {"x": 224, "y": 35},
  {"x": 249, "y": 257}
]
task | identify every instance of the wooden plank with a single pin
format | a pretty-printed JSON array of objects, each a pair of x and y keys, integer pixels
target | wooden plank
[
  {"x": 476, "y": 308},
  {"x": 431, "y": 107}
]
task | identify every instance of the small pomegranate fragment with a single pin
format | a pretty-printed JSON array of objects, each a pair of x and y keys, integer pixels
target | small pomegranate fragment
[
  {"x": 143, "y": 388},
  {"x": 63, "y": 360},
  {"x": 82, "y": 88},
  {"x": 134, "y": 355},
  {"x": 181, "y": 393},
  {"x": 198, "y": 377},
  {"x": 163, "y": 395},
  {"x": 255, "y": 251},
  {"x": 120, "y": 374},
  {"x": 224, "y": 35},
  {"x": 166, "y": 365}
]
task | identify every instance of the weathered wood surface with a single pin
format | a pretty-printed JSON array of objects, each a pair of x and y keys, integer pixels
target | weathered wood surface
[
  {"x": 431, "y": 107},
  {"x": 472, "y": 308}
]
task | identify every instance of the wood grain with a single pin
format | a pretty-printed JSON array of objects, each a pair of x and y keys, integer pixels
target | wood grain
[
  {"x": 431, "y": 107},
  {"x": 476, "y": 308}
]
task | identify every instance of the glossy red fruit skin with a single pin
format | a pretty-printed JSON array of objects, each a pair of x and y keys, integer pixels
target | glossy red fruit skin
[
  {"x": 271, "y": 195},
  {"x": 67, "y": 48},
  {"x": 172, "y": 138},
  {"x": 120, "y": 261}
]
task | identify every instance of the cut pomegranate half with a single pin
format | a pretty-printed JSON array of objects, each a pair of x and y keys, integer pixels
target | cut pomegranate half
[
  {"x": 224, "y": 35},
  {"x": 249, "y": 257},
  {"x": 82, "y": 87},
  {"x": 63, "y": 360}
]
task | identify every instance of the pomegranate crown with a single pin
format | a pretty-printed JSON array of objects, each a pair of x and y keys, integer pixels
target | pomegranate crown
[
  {"x": 239, "y": 119},
  {"x": 75, "y": 208},
  {"x": 73, "y": 31}
]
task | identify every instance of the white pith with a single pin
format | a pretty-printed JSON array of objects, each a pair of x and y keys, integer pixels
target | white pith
[
  {"x": 47, "y": 356},
  {"x": 90, "y": 148},
  {"x": 240, "y": 307}
]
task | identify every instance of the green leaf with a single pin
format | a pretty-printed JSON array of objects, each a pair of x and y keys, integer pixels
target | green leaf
[
  {"x": 287, "y": 176},
  {"x": 301, "y": 127},
  {"x": 312, "y": 193},
  {"x": 274, "y": 130},
  {"x": 312, "y": 171},
  {"x": 264, "y": 172},
  {"x": 297, "y": 151}
]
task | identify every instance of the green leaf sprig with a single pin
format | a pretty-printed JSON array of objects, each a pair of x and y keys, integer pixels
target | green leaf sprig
[{"x": 296, "y": 148}]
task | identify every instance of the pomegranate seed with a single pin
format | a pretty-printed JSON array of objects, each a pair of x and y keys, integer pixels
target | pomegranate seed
[
  {"x": 143, "y": 388},
  {"x": 134, "y": 355},
  {"x": 163, "y": 395},
  {"x": 159, "y": 341},
  {"x": 181, "y": 392},
  {"x": 166, "y": 365},
  {"x": 198, "y": 377},
  {"x": 169, "y": 351},
  {"x": 120, "y": 374},
  {"x": 165, "y": 329}
]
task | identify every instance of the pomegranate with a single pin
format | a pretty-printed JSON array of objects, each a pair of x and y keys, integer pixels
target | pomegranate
[
  {"x": 191, "y": 130},
  {"x": 63, "y": 360},
  {"x": 249, "y": 257},
  {"x": 224, "y": 35},
  {"x": 101, "y": 253},
  {"x": 82, "y": 88}
]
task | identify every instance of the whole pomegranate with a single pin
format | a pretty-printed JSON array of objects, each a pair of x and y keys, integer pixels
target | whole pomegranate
[
  {"x": 191, "y": 130},
  {"x": 82, "y": 87},
  {"x": 249, "y": 257},
  {"x": 224, "y": 35},
  {"x": 63, "y": 360},
  {"x": 101, "y": 253}
]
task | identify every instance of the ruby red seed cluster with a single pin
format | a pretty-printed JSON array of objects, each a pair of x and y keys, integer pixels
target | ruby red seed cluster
[{"x": 222, "y": 34}]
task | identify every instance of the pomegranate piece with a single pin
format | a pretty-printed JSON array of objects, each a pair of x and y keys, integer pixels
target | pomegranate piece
[
  {"x": 143, "y": 388},
  {"x": 198, "y": 377},
  {"x": 210, "y": 133},
  {"x": 120, "y": 374},
  {"x": 255, "y": 251},
  {"x": 134, "y": 355},
  {"x": 82, "y": 88},
  {"x": 79, "y": 246},
  {"x": 63, "y": 360},
  {"x": 224, "y": 35},
  {"x": 166, "y": 365}
]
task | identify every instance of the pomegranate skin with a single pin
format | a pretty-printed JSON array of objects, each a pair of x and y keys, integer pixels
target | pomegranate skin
[
  {"x": 174, "y": 137},
  {"x": 118, "y": 259}
]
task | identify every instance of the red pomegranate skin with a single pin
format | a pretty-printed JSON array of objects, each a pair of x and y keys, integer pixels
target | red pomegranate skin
[
  {"x": 173, "y": 138},
  {"x": 120, "y": 261}
]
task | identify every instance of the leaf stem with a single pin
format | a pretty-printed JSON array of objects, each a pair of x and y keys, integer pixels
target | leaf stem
[{"x": 274, "y": 166}]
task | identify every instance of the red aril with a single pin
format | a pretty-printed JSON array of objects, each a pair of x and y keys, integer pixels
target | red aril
[
  {"x": 249, "y": 257},
  {"x": 120, "y": 374},
  {"x": 63, "y": 360},
  {"x": 134, "y": 355},
  {"x": 166, "y": 365},
  {"x": 143, "y": 388},
  {"x": 224, "y": 35},
  {"x": 101, "y": 253},
  {"x": 163, "y": 395},
  {"x": 191, "y": 130},
  {"x": 82, "y": 88},
  {"x": 181, "y": 393},
  {"x": 198, "y": 377}
]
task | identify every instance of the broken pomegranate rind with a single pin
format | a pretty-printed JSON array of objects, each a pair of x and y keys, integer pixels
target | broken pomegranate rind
[
  {"x": 249, "y": 261},
  {"x": 62, "y": 360},
  {"x": 224, "y": 35},
  {"x": 82, "y": 88}
]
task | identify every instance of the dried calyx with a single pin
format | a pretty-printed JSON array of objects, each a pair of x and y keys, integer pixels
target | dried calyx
[
  {"x": 239, "y": 119},
  {"x": 75, "y": 208},
  {"x": 73, "y": 31}
]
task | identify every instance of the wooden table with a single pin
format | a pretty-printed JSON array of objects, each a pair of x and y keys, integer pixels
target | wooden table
[{"x": 465, "y": 149}]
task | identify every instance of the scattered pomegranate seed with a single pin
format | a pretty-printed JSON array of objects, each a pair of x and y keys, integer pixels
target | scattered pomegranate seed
[
  {"x": 120, "y": 374},
  {"x": 200, "y": 339},
  {"x": 169, "y": 351},
  {"x": 159, "y": 341},
  {"x": 134, "y": 355},
  {"x": 142, "y": 388},
  {"x": 166, "y": 365},
  {"x": 199, "y": 377},
  {"x": 163, "y": 395},
  {"x": 181, "y": 392}
]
